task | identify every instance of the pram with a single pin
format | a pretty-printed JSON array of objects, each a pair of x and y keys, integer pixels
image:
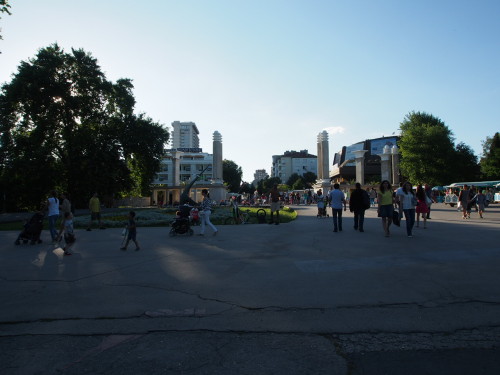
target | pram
[
  {"x": 182, "y": 223},
  {"x": 32, "y": 230},
  {"x": 322, "y": 209}
]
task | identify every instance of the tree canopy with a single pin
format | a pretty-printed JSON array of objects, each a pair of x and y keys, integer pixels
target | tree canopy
[
  {"x": 428, "y": 153},
  {"x": 231, "y": 174},
  {"x": 490, "y": 161},
  {"x": 4, "y": 8},
  {"x": 64, "y": 126}
]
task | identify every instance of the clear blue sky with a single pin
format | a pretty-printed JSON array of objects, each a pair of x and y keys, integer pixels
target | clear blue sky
[{"x": 270, "y": 75}]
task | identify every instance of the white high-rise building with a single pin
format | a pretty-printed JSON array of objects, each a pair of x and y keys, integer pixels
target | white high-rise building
[
  {"x": 291, "y": 162},
  {"x": 185, "y": 135}
]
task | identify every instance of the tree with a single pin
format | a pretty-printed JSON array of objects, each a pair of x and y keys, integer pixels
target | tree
[
  {"x": 246, "y": 188},
  {"x": 309, "y": 178},
  {"x": 469, "y": 168},
  {"x": 268, "y": 183},
  {"x": 427, "y": 149},
  {"x": 490, "y": 162},
  {"x": 64, "y": 126},
  {"x": 299, "y": 184},
  {"x": 4, "y": 8},
  {"x": 231, "y": 174},
  {"x": 291, "y": 180}
]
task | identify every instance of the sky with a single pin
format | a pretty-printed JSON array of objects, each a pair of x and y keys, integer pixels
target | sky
[{"x": 270, "y": 75}]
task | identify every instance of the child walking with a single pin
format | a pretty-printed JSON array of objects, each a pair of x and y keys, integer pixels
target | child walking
[
  {"x": 132, "y": 232},
  {"x": 69, "y": 235}
]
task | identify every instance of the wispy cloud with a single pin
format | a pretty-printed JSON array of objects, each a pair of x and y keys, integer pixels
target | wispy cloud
[{"x": 335, "y": 130}]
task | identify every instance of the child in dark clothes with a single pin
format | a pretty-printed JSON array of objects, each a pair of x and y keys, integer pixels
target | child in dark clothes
[{"x": 132, "y": 232}]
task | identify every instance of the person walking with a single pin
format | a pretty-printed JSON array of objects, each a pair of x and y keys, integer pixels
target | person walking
[
  {"x": 385, "y": 206},
  {"x": 320, "y": 202},
  {"x": 422, "y": 208},
  {"x": 480, "y": 199},
  {"x": 69, "y": 234},
  {"x": 337, "y": 199},
  {"x": 206, "y": 210},
  {"x": 408, "y": 201},
  {"x": 429, "y": 200},
  {"x": 65, "y": 205},
  {"x": 358, "y": 203},
  {"x": 95, "y": 212},
  {"x": 274, "y": 196},
  {"x": 132, "y": 232},
  {"x": 53, "y": 214},
  {"x": 464, "y": 199},
  {"x": 373, "y": 196}
]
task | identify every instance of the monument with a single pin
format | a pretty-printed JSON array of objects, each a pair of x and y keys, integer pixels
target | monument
[
  {"x": 323, "y": 160},
  {"x": 360, "y": 165},
  {"x": 385, "y": 164},
  {"x": 395, "y": 166},
  {"x": 217, "y": 189}
]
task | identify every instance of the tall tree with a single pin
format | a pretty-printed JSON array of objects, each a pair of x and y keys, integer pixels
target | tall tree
[
  {"x": 490, "y": 161},
  {"x": 310, "y": 178},
  {"x": 427, "y": 149},
  {"x": 231, "y": 174},
  {"x": 4, "y": 8},
  {"x": 291, "y": 180},
  {"x": 467, "y": 161},
  {"x": 60, "y": 117},
  {"x": 268, "y": 183}
]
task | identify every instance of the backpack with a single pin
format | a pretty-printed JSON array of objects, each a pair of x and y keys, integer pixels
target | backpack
[{"x": 366, "y": 200}]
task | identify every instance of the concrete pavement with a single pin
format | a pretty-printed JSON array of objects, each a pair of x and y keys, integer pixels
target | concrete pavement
[{"x": 289, "y": 299}]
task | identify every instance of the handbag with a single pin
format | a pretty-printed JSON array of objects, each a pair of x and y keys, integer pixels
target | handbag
[
  {"x": 395, "y": 218},
  {"x": 428, "y": 201}
]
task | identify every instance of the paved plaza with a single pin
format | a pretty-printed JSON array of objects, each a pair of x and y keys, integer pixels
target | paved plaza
[{"x": 258, "y": 299}]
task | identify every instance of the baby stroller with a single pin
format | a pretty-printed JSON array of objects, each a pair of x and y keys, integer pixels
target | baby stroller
[
  {"x": 182, "y": 223},
  {"x": 32, "y": 230},
  {"x": 195, "y": 216},
  {"x": 322, "y": 208}
]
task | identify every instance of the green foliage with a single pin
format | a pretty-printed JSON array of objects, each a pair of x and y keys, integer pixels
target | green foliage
[
  {"x": 309, "y": 178},
  {"x": 247, "y": 188},
  {"x": 291, "y": 180},
  {"x": 469, "y": 169},
  {"x": 268, "y": 183},
  {"x": 4, "y": 8},
  {"x": 427, "y": 150},
  {"x": 231, "y": 174},
  {"x": 64, "y": 126},
  {"x": 299, "y": 184},
  {"x": 490, "y": 162}
]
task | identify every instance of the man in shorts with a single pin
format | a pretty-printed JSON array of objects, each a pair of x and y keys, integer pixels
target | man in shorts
[
  {"x": 95, "y": 211},
  {"x": 275, "y": 204}
]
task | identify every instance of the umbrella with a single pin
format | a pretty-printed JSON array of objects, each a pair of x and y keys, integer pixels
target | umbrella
[{"x": 439, "y": 188}]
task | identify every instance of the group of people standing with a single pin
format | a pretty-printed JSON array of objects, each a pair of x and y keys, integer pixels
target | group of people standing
[
  {"x": 59, "y": 206},
  {"x": 468, "y": 198},
  {"x": 407, "y": 202}
]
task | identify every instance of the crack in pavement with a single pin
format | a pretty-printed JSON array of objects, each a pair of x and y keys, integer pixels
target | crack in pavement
[{"x": 423, "y": 305}]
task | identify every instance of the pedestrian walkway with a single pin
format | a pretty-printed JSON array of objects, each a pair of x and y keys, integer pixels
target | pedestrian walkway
[{"x": 294, "y": 298}]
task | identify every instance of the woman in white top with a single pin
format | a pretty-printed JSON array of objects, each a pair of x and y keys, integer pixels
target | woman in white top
[
  {"x": 407, "y": 201},
  {"x": 53, "y": 208},
  {"x": 205, "y": 217}
]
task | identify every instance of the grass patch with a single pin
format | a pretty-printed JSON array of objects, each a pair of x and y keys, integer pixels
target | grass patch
[{"x": 158, "y": 217}]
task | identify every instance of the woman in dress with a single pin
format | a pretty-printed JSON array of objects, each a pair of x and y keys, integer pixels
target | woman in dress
[
  {"x": 422, "y": 208},
  {"x": 464, "y": 199},
  {"x": 385, "y": 206}
]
